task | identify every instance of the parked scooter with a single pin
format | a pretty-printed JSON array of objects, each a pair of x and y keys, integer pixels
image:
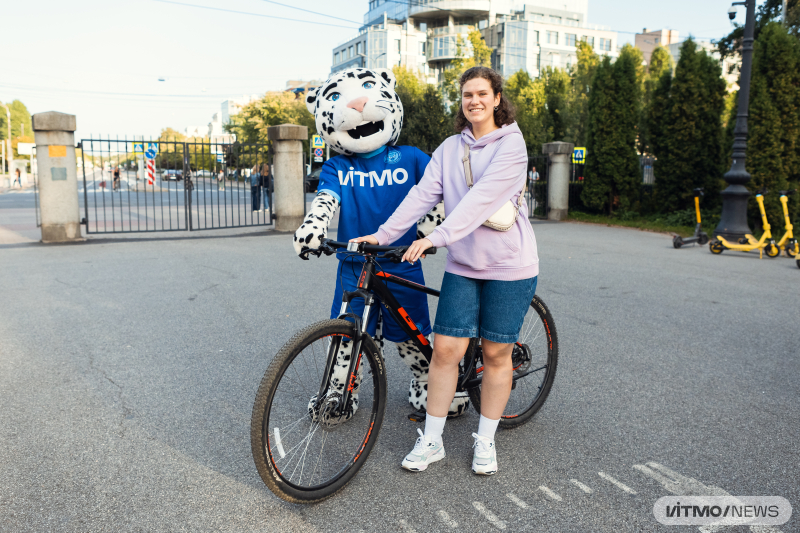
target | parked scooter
[
  {"x": 700, "y": 236},
  {"x": 749, "y": 243},
  {"x": 788, "y": 242}
]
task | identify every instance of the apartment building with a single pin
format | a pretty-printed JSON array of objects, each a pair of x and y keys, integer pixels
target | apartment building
[
  {"x": 425, "y": 35},
  {"x": 649, "y": 40}
]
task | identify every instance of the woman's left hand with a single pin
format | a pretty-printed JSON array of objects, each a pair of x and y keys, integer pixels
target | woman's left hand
[{"x": 415, "y": 251}]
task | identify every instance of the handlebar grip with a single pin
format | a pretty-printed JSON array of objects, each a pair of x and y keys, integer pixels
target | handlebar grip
[{"x": 430, "y": 251}]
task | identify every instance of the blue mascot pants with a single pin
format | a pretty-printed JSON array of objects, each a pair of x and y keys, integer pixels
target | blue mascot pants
[{"x": 414, "y": 302}]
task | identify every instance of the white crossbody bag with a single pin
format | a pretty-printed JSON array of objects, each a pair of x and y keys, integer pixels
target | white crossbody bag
[{"x": 506, "y": 216}]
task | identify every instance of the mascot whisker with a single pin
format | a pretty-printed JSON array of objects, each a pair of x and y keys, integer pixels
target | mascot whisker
[{"x": 359, "y": 114}]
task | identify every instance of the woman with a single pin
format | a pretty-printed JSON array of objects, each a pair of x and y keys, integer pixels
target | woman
[
  {"x": 490, "y": 277},
  {"x": 255, "y": 188}
]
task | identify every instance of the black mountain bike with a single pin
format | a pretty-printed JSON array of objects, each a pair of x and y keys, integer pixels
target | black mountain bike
[{"x": 310, "y": 434}]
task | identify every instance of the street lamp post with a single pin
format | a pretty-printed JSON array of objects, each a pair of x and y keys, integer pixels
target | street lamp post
[
  {"x": 9, "y": 154},
  {"x": 733, "y": 223}
]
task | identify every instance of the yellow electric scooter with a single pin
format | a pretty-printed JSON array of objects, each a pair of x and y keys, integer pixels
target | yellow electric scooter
[
  {"x": 700, "y": 236},
  {"x": 788, "y": 242},
  {"x": 749, "y": 243}
]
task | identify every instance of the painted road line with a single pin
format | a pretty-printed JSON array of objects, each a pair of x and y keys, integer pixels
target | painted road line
[
  {"x": 550, "y": 494},
  {"x": 619, "y": 484},
  {"x": 521, "y": 504},
  {"x": 406, "y": 527},
  {"x": 581, "y": 486},
  {"x": 488, "y": 515},
  {"x": 444, "y": 517}
]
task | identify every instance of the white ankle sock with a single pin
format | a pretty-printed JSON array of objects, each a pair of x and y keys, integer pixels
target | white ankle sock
[
  {"x": 487, "y": 427},
  {"x": 434, "y": 426}
]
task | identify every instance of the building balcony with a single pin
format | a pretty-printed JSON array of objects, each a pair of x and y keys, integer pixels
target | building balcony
[{"x": 456, "y": 8}]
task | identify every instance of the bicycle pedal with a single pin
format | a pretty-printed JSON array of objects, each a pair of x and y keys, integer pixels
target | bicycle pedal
[{"x": 417, "y": 416}]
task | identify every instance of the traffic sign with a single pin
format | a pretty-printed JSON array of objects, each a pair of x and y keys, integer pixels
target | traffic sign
[
  {"x": 219, "y": 158},
  {"x": 150, "y": 153},
  {"x": 317, "y": 141},
  {"x": 138, "y": 148},
  {"x": 153, "y": 146},
  {"x": 579, "y": 155}
]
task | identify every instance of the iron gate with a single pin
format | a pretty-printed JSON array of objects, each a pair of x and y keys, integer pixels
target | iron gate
[
  {"x": 161, "y": 185},
  {"x": 538, "y": 171}
]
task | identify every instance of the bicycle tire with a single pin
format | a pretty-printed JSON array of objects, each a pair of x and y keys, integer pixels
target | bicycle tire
[
  {"x": 514, "y": 417},
  {"x": 265, "y": 457}
]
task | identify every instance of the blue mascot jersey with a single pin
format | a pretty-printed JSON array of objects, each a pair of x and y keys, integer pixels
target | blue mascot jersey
[{"x": 369, "y": 187}]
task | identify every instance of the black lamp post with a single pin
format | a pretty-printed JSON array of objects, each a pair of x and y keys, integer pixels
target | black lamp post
[{"x": 733, "y": 223}]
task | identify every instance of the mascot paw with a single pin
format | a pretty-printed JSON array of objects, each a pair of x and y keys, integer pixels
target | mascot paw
[
  {"x": 428, "y": 223},
  {"x": 315, "y": 226}
]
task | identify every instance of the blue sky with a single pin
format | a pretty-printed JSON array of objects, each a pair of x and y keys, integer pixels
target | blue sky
[{"x": 101, "y": 59}]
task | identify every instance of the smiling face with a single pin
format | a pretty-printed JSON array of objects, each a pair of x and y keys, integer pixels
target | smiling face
[
  {"x": 357, "y": 110},
  {"x": 478, "y": 101}
]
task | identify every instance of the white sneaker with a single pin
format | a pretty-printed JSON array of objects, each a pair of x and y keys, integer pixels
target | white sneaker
[
  {"x": 484, "y": 459},
  {"x": 426, "y": 451}
]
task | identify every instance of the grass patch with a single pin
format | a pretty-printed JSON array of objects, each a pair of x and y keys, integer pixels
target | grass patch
[{"x": 657, "y": 223}]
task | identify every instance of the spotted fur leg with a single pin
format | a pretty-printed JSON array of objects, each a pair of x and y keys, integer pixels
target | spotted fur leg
[
  {"x": 315, "y": 225},
  {"x": 418, "y": 391},
  {"x": 338, "y": 382},
  {"x": 428, "y": 222}
]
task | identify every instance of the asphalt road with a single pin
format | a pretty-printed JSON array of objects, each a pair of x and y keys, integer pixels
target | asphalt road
[{"x": 128, "y": 369}]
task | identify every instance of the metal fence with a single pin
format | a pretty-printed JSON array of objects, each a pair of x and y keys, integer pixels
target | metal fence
[
  {"x": 134, "y": 186},
  {"x": 536, "y": 192}
]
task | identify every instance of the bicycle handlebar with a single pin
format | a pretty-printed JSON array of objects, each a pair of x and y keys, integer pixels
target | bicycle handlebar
[{"x": 395, "y": 253}]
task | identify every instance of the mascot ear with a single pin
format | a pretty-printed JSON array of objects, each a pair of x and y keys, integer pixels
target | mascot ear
[
  {"x": 387, "y": 75},
  {"x": 311, "y": 99}
]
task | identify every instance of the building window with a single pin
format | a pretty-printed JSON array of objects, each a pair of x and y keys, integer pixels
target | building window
[
  {"x": 397, "y": 42},
  {"x": 359, "y": 48},
  {"x": 555, "y": 20},
  {"x": 536, "y": 17},
  {"x": 351, "y": 51},
  {"x": 570, "y": 39},
  {"x": 336, "y": 58},
  {"x": 422, "y": 48},
  {"x": 555, "y": 60},
  {"x": 552, "y": 37},
  {"x": 605, "y": 44},
  {"x": 571, "y": 22},
  {"x": 535, "y": 37},
  {"x": 588, "y": 40},
  {"x": 443, "y": 46}
]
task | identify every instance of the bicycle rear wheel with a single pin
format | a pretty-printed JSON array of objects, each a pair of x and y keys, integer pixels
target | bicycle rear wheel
[
  {"x": 535, "y": 358},
  {"x": 306, "y": 451}
]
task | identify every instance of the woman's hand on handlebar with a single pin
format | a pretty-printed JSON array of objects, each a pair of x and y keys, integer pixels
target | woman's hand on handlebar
[
  {"x": 369, "y": 239},
  {"x": 415, "y": 251}
]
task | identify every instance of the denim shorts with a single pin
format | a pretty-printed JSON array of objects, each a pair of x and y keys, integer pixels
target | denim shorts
[{"x": 491, "y": 309}]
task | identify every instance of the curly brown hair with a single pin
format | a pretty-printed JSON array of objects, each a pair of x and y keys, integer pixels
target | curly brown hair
[{"x": 503, "y": 115}]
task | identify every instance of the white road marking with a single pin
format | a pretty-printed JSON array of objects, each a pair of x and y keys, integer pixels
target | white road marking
[
  {"x": 278, "y": 442},
  {"x": 521, "y": 504},
  {"x": 406, "y": 527},
  {"x": 444, "y": 517},
  {"x": 619, "y": 484},
  {"x": 682, "y": 485},
  {"x": 550, "y": 493},
  {"x": 581, "y": 486},
  {"x": 488, "y": 515}
]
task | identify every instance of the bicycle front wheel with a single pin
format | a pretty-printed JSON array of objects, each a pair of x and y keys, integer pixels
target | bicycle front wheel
[
  {"x": 534, "y": 359},
  {"x": 307, "y": 449}
]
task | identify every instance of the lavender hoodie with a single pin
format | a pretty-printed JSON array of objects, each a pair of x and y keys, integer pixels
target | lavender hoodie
[{"x": 498, "y": 162}]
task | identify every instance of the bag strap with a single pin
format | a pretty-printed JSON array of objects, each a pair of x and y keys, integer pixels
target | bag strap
[{"x": 468, "y": 175}]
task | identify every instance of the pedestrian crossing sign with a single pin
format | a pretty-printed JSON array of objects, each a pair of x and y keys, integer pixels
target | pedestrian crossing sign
[
  {"x": 317, "y": 141},
  {"x": 138, "y": 148},
  {"x": 579, "y": 155}
]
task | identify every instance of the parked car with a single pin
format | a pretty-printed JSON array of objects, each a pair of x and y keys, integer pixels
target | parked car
[
  {"x": 172, "y": 174},
  {"x": 311, "y": 181}
]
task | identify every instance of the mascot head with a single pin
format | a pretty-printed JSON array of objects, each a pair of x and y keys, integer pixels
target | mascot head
[{"x": 357, "y": 110}]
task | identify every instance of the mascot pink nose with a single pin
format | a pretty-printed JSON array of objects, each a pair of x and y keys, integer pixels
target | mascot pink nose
[{"x": 358, "y": 104}]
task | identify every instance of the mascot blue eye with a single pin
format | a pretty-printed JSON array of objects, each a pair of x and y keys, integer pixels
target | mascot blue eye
[
  {"x": 368, "y": 85},
  {"x": 333, "y": 96}
]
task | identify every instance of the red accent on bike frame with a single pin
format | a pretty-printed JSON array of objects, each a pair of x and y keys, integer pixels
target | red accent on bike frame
[
  {"x": 364, "y": 445},
  {"x": 411, "y": 324},
  {"x": 352, "y": 383},
  {"x": 361, "y": 281},
  {"x": 422, "y": 339}
]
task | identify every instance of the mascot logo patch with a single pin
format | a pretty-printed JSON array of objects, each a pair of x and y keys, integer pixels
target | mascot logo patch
[
  {"x": 357, "y": 110},
  {"x": 392, "y": 156}
]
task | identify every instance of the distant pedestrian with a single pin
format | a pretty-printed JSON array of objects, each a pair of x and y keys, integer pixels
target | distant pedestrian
[
  {"x": 533, "y": 175},
  {"x": 265, "y": 182},
  {"x": 18, "y": 179},
  {"x": 255, "y": 188},
  {"x": 116, "y": 178}
]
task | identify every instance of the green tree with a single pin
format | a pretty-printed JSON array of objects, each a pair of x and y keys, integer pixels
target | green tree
[
  {"x": 481, "y": 56},
  {"x": 773, "y": 144},
  {"x": 660, "y": 64},
  {"x": 430, "y": 125},
  {"x": 557, "y": 117},
  {"x": 582, "y": 74},
  {"x": 274, "y": 108},
  {"x": 767, "y": 12},
  {"x": 612, "y": 170},
  {"x": 528, "y": 97},
  {"x": 689, "y": 151}
]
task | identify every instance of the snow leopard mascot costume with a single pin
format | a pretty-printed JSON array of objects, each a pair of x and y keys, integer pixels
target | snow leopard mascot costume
[{"x": 359, "y": 114}]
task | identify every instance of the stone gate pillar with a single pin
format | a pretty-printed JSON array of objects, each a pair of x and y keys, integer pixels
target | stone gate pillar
[
  {"x": 54, "y": 134},
  {"x": 288, "y": 197},
  {"x": 558, "y": 179}
]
